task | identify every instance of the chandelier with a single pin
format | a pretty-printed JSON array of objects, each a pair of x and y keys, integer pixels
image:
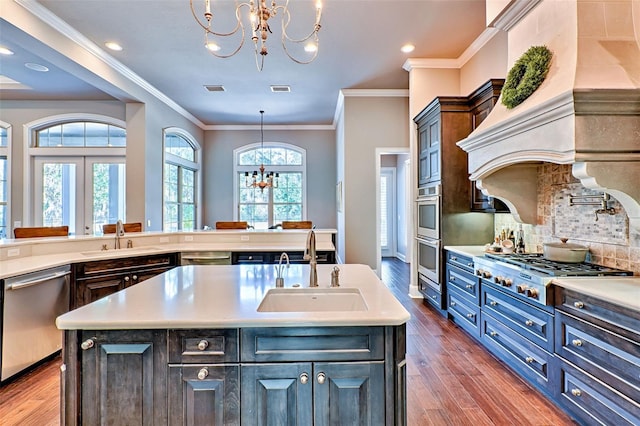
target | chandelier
[
  {"x": 259, "y": 15},
  {"x": 269, "y": 180}
]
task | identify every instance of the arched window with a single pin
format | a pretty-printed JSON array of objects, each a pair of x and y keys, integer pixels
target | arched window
[
  {"x": 270, "y": 206},
  {"x": 180, "y": 181},
  {"x": 4, "y": 180},
  {"x": 78, "y": 163}
]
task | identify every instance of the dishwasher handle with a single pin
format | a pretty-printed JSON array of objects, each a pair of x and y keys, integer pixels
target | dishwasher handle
[
  {"x": 223, "y": 257},
  {"x": 29, "y": 283}
]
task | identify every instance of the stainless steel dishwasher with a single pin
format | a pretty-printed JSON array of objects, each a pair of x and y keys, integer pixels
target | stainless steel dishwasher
[
  {"x": 206, "y": 258},
  {"x": 31, "y": 304}
]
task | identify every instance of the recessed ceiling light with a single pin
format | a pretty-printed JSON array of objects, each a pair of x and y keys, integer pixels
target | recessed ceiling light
[
  {"x": 212, "y": 46},
  {"x": 113, "y": 46},
  {"x": 36, "y": 67},
  {"x": 215, "y": 88},
  {"x": 5, "y": 51},
  {"x": 408, "y": 48},
  {"x": 281, "y": 88}
]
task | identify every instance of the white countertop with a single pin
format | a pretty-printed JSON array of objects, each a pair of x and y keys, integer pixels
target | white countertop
[
  {"x": 467, "y": 250},
  {"x": 623, "y": 291},
  {"x": 228, "y": 296}
]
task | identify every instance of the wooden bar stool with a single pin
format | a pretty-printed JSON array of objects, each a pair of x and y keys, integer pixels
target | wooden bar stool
[
  {"x": 110, "y": 228},
  {"x": 301, "y": 224},
  {"x": 231, "y": 225},
  {"x": 41, "y": 231}
]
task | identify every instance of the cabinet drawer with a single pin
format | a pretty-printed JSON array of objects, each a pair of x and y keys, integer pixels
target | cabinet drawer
[
  {"x": 527, "y": 358},
  {"x": 203, "y": 346},
  {"x": 244, "y": 258},
  {"x": 464, "y": 281},
  {"x": 625, "y": 321},
  {"x": 111, "y": 266},
  {"x": 532, "y": 323},
  {"x": 312, "y": 344},
  {"x": 431, "y": 291},
  {"x": 612, "y": 358},
  {"x": 464, "y": 312},
  {"x": 461, "y": 261},
  {"x": 592, "y": 401}
]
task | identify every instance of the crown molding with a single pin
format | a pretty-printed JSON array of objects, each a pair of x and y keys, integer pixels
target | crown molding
[
  {"x": 375, "y": 93},
  {"x": 270, "y": 127},
  {"x": 513, "y": 13}
]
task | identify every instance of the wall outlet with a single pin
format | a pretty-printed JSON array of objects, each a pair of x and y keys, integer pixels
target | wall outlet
[
  {"x": 17, "y": 224},
  {"x": 244, "y": 238},
  {"x": 148, "y": 223},
  {"x": 13, "y": 252},
  {"x": 188, "y": 237},
  {"x": 164, "y": 239}
]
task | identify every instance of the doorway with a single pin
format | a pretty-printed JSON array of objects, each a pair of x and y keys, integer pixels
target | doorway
[{"x": 387, "y": 211}]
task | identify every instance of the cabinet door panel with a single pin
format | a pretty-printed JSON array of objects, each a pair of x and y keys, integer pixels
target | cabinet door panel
[
  {"x": 93, "y": 289},
  {"x": 213, "y": 399},
  {"x": 276, "y": 394},
  {"x": 349, "y": 393}
]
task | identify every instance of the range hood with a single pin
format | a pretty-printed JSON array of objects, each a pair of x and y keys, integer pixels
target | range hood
[{"x": 586, "y": 113}]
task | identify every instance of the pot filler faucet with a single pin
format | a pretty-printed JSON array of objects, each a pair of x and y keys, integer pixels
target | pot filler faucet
[
  {"x": 310, "y": 255},
  {"x": 119, "y": 233}
]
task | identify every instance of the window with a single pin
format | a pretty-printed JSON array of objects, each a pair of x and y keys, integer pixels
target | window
[
  {"x": 79, "y": 173},
  {"x": 4, "y": 180},
  {"x": 265, "y": 208},
  {"x": 180, "y": 179}
]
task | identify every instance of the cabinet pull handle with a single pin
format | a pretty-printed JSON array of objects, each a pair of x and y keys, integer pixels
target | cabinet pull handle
[
  {"x": 321, "y": 378},
  {"x": 528, "y": 323},
  {"x": 87, "y": 344},
  {"x": 578, "y": 304},
  {"x": 454, "y": 258},
  {"x": 126, "y": 279},
  {"x": 203, "y": 344},
  {"x": 529, "y": 359},
  {"x": 576, "y": 392},
  {"x": 493, "y": 334},
  {"x": 452, "y": 278},
  {"x": 493, "y": 303},
  {"x": 135, "y": 277},
  {"x": 470, "y": 315},
  {"x": 470, "y": 264},
  {"x": 469, "y": 286},
  {"x": 203, "y": 373},
  {"x": 304, "y": 378},
  {"x": 434, "y": 297},
  {"x": 452, "y": 304},
  {"x": 576, "y": 342}
]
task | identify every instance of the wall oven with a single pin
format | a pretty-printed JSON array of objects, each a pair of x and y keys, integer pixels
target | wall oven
[
  {"x": 429, "y": 258},
  {"x": 428, "y": 212}
]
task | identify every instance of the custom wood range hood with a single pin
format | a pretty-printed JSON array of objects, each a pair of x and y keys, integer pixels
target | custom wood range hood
[{"x": 586, "y": 113}]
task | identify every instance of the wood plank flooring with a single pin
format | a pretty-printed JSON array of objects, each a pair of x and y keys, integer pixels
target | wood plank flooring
[{"x": 451, "y": 379}]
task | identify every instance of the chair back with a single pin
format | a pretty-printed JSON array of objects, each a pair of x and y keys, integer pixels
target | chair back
[
  {"x": 231, "y": 225},
  {"x": 301, "y": 224},
  {"x": 110, "y": 228},
  {"x": 41, "y": 231}
]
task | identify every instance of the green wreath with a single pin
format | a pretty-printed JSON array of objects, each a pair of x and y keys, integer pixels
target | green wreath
[{"x": 526, "y": 75}]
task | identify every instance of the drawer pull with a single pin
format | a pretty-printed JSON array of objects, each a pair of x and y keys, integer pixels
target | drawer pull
[
  {"x": 203, "y": 373},
  {"x": 434, "y": 297},
  {"x": 529, "y": 359},
  {"x": 528, "y": 323},
  {"x": 135, "y": 277},
  {"x": 578, "y": 305},
  {"x": 470, "y": 264},
  {"x": 321, "y": 378},
  {"x": 576, "y": 342},
  {"x": 304, "y": 378},
  {"x": 493, "y": 334},
  {"x": 126, "y": 279},
  {"x": 452, "y": 278},
  {"x": 454, "y": 258},
  {"x": 203, "y": 344},
  {"x": 469, "y": 286},
  {"x": 452, "y": 304},
  {"x": 470, "y": 315},
  {"x": 576, "y": 392},
  {"x": 87, "y": 344},
  {"x": 493, "y": 303}
]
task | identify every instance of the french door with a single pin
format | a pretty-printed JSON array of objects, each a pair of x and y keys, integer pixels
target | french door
[
  {"x": 81, "y": 192},
  {"x": 387, "y": 211}
]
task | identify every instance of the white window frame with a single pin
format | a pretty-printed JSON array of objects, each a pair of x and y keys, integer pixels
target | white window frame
[
  {"x": 184, "y": 163},
  {"x": 32, "y": 152},
  {"x": 238, "y": 169},
  {"x": 5, "y": 151}
]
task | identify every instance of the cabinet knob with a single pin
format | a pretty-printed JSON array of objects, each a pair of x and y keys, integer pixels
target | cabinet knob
[
  {"x": 576, "y": 342},
  {"x": 470, "y": 264},
  {"x": 304, "y": 378},
  {"x": 576, "y": 392},
  {"x": 126, "y": 279},
  {"x": 135, "y": 277},
  {"x": 529, "y": 359},
  {"x": 493, "y": 334},
  {"x": 452, "y": 278},
  {"x": 434, "y": 297},
  {"x": 87, "y": 344},
  {"x": 470, "y": 315},
  {"x": 469, "y": 286},
  {"x": 578, "y": 305},
  {"x": 528, "y": 323},
  {"x": 454, "y": 258},
  {"x": 203, "y": 344},
  {"x": 452, "y": 304},
  {"x": 203, "y": 373},
  {"x": 321, "y": 378},
  {"x": 493, "y": 303},
  {"x": 250, "y": 257}
]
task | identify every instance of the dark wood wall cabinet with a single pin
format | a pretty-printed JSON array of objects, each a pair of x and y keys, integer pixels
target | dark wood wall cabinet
[{"x": 253, "y": 376}]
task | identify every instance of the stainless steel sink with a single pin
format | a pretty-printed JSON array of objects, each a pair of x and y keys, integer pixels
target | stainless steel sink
[{"x": 312, "y": 300}]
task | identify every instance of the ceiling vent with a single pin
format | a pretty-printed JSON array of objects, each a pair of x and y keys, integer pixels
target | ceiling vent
[
  {"x": 280, "y": 89},
  {"x": 215, "y": 88}
]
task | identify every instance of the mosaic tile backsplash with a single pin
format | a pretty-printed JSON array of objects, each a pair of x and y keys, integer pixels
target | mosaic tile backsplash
[{"x": 610, "y": 240}]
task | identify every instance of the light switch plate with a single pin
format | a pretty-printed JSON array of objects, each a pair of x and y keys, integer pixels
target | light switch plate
[{"x": 244, "y": 238}]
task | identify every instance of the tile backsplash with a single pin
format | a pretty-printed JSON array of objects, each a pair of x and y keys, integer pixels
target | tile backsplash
[{"x": 610, "y": 240}]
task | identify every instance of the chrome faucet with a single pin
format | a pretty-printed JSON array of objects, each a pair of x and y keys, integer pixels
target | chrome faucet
[
  {"x": 279, "y": 278},
  {"x": 310, "y": 255},
  {"x": 119, "y": 233}
]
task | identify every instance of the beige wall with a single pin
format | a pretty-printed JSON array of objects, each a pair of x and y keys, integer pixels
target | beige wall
[
  {"x": 489, "y": 62},
  {"x": 321, "y": 171},
  {"x": 368, "y": 123}
]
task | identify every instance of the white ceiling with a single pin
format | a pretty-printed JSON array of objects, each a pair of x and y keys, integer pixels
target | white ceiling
[{"x": 360, "y": 44}]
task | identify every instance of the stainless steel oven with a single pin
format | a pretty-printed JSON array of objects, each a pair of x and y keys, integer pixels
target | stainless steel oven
[
  {"x": 428, "y": 217},
  {"x": 429, "y": 258}
]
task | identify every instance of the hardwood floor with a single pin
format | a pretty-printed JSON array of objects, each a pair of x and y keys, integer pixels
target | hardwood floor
[{"x": 451, "y": 379}]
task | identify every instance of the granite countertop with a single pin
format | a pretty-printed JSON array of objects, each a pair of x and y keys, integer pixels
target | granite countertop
[
  {"x": 228, "y": 296},
  {"x": 622, "y": 291}
]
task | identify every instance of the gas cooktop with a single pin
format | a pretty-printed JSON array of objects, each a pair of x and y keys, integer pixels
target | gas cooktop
[{"x": 536, "y": 262}]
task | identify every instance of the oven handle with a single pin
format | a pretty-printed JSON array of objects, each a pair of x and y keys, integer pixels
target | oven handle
[
  {"x": 431, "y": 243},
  {"x": 24, "y": 284}
]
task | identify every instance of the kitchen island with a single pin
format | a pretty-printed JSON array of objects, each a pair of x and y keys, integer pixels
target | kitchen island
[{"x": 200, "y": 345}]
